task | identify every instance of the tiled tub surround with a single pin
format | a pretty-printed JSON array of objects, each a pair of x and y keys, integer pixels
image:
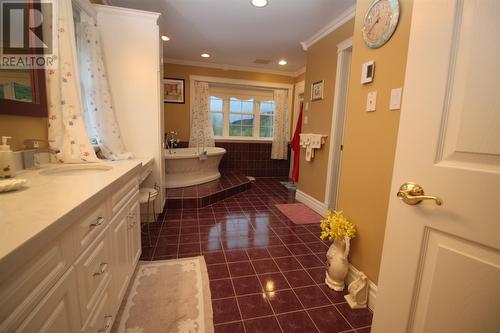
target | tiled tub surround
[
  {"x": 250, "y": 159},
  {"x": 202, "y": 195},
  {"x": 266, "y": 274}
]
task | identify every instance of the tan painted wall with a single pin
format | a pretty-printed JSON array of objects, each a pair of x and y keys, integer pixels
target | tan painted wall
[
  {"x": 177, "y": 115},
  {"x": 370, "y": 141},
  {"x": 321, "y": 65},
  {"x": 21, "y": 128}
]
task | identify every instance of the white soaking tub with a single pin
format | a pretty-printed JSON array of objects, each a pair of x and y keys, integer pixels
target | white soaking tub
[{"x": 185, "y": 167}]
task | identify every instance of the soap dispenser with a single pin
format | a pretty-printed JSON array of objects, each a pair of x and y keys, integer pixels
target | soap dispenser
[{"x": 7, "y": 163}]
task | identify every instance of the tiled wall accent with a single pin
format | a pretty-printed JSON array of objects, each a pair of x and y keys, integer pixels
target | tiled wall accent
[{"x": 251, "y": 159}]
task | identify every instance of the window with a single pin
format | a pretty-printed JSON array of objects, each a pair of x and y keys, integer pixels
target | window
[
  {"x": 242, "y": 113},
  {"x": 217, "y": 112}
]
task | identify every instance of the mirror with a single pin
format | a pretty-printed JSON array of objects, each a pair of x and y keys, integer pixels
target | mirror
[{"x": 22, "y": 92}]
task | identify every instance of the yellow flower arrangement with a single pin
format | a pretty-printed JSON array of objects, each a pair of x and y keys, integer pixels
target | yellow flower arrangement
[{"x": 336, "y": 226}]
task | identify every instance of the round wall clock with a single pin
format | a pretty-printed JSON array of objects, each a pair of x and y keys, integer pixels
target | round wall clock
[{"x": 380, "y": 22}]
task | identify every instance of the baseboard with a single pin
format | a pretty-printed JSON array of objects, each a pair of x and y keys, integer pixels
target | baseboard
[
  {"x": 353, "y": 273},
  {"x": 316, "y": 205},
  {"x": 372, "y": 287}
]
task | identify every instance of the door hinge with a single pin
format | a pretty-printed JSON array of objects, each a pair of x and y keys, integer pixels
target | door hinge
[{"x": 341, "y": 147}]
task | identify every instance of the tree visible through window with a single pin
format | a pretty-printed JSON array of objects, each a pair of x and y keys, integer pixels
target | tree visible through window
[{"x": 240, "y": 117}]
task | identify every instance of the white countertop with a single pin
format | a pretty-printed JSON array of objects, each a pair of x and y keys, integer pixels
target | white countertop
[{"x": 48, "y": 204}]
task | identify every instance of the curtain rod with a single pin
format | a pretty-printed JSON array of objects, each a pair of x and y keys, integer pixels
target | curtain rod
[{"x": 236, "y": 85}]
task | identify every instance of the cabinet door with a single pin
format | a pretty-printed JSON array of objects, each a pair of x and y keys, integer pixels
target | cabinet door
[
  {"x": 58, "y": 311},
  {"x": 135, "y": 234},
  {"x": 121, "y": 257},
  {"x": 101, "y": 319}
]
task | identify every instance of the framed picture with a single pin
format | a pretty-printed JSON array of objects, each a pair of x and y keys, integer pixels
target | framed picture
[
  {"x": 173, "y": 91},
  {"x": 317, "y": 90}
]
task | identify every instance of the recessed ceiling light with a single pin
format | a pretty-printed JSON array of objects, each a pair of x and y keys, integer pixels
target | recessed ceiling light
[
  {"x": 165, "y": 38},
  {"x": 282, "y": 62},
  {"x": 205, "y": 55},
  {"x": 259, "y": 3}
]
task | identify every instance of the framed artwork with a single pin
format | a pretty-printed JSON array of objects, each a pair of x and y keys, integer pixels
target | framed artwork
[
  {"x": 173, "y": 91},
  {"x": 317, "y": 90}
]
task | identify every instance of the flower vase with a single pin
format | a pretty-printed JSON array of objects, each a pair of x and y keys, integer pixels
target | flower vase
[{"x": 337, "y": 264}]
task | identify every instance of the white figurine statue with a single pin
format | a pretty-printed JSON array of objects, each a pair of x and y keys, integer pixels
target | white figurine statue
[{"x": 358, "y": 292}]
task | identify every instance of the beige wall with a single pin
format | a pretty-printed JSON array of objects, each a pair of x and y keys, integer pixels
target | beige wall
[
  {"x": 370, "y": 140},
  {"x": 21, "y": 128},
  {"x": 177, "y": 115},
  {"x": 369, "y": 137},
  {"x": 321, "y": 65}
]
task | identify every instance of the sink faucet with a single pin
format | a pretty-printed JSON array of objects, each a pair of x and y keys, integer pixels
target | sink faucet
[
  {"x": 30, "y": 155},
  {"x": 171, "y": 141}
]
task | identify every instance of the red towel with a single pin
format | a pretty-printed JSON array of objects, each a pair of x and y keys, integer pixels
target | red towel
[{"x": 296, "y": 146}]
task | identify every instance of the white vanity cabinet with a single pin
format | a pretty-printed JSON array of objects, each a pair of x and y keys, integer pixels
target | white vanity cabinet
[
  {"x": 77, "y": 281},
  {"x": 132, "y": 49}
]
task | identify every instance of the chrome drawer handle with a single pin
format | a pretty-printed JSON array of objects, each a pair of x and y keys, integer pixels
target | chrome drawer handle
[
  {"x": 102, "y": 268},
  {"x": 132, "y": 216},
  {"x": 100, "y": 220},
  {"x": 108, "y": 323}
]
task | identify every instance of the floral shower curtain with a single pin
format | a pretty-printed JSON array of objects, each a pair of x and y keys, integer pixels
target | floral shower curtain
[
  {"x": 202, "y": 133},
  {"x": 66, "y": 123},
  {"x": 99, "y": 115},
  {"x": 279, "y": 149}
]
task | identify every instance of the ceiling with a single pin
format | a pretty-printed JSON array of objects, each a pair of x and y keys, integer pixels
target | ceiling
[{"x": 235, "y": 33}]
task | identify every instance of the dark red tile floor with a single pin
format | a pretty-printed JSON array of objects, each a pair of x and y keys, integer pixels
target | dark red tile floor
[{"x": 266, "y": 274}]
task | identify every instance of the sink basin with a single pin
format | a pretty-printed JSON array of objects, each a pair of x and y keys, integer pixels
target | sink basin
[{"x": 76, "y": 170}]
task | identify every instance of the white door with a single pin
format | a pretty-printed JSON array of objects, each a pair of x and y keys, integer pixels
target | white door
[{"x": 440, "y": 268}]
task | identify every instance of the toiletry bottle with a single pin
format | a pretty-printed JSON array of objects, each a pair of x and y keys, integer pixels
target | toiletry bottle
[{"x": 7, "y": 164}]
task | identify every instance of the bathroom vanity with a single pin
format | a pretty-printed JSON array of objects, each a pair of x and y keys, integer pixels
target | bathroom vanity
[{"x": 69, "y": 244}]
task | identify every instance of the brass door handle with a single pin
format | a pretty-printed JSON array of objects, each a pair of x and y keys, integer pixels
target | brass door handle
[{"x": 413, "y": 194}]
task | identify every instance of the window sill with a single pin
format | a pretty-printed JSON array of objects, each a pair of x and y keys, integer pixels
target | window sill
[{"x": 243, "y": 140}]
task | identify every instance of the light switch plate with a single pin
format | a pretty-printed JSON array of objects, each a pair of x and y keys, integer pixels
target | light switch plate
[
  {"x": 371, "y": 101},
  {"x": 395, "y": 102},
  {"x": 306, "y": 120},
  {"x": 306, "y": 106}
]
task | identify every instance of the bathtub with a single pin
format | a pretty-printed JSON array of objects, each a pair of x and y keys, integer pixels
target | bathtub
[{"x": 184, "y": 167}]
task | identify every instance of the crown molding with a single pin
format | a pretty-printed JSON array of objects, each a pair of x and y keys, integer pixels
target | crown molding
[
  {"x": 126, "y": 11},
  {"x": 345, "y": 16},
  {"x": 300, "y": 71},
  {"x": 227, "y": 67}
]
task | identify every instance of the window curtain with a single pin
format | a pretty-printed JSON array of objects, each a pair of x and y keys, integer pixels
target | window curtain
[
  {"x": 66, "y": 124},
  {"x": 202, "y": 133},
  {"x": 100, "y": 118},
  {"x": 279, "y": 149}
]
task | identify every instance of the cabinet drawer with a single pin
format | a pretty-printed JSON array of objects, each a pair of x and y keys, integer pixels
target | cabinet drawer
[
  {"x": 22, "y": 289},
  {"x": 93, "y": 273},
  {"x": 101, "y": 319},
  {"x": 57, "y": 311},
  {"x": 85, "y": 230},
  {"x": 123, "y": 195}
]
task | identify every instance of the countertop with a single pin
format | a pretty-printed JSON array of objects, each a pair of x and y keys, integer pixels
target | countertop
[{"x": 48, "y": 204}]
